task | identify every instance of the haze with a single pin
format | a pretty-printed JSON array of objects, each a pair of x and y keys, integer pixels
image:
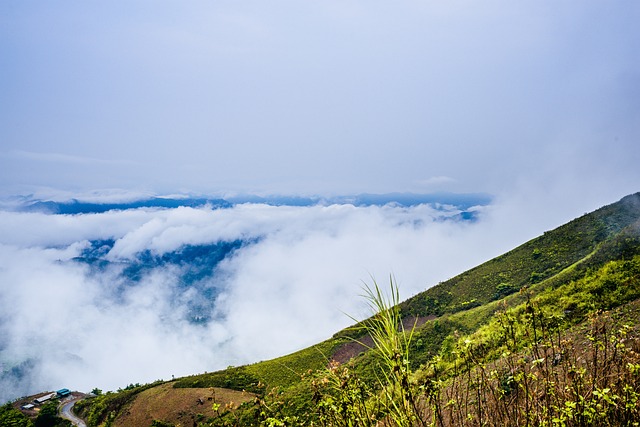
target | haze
[{"x": 322, "y": 97}]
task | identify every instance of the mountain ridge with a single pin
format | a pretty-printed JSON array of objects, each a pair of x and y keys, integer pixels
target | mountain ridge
[{"x": 76, "y": 206}]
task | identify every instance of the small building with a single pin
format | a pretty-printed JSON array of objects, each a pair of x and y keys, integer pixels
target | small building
[
  {"x": 40, "y": 400},
  {"x": 64, "y": 392},
  {"x": 28, "y": 406}
]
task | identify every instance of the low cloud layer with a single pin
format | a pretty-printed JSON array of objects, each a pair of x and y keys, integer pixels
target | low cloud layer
[{"x": 64, "y": 324}]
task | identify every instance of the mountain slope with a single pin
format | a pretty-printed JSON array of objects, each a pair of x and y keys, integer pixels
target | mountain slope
[{"x": 587, "y": 265}]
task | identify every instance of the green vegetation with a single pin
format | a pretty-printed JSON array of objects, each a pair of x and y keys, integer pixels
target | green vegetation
[
  {"x": 12, "y": 417},
  {"x": 281, "y": 372},
  {"x": 526, "y": 366},
  {"x": 609, "y": 233},
  {"x": 543, "y": 335},
  {"x": 344, "y": 399},
  {"x": 524, "y": 369},
  {"x": 232, "y": 378},
  {"x": 47, "y": 416}
]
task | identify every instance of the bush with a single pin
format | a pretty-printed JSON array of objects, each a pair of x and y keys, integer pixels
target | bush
[{"x": 11, "y": 417}]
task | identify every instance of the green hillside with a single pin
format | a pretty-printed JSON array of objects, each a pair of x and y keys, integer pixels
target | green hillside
[{"x": 544, "y": 334}]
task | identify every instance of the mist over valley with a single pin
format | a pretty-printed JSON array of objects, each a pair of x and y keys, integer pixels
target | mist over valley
[{"x": 104, "y": 294}]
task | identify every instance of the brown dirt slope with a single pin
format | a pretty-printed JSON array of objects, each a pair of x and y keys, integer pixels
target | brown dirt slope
[
  {"x": 351, "y": 349},
  {"x": 178, "y": 406}
]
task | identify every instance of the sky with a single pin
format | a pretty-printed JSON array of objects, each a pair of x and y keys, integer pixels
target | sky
[
  {"x": 328, "y": 97},
  {"x": 535, "y": 102}
]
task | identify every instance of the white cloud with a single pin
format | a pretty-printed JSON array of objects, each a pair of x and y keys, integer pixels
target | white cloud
[
  {"x": 287, "y": 289},
  {"x": 37, "y": 229}
]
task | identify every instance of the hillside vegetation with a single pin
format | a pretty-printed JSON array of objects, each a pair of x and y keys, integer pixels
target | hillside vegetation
[{"x": 545, "y": 334}]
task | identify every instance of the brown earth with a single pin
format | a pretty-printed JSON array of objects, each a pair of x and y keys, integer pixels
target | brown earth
[
  {"x": 179, "y": 406},
  {"x": 351, "y": 349}
]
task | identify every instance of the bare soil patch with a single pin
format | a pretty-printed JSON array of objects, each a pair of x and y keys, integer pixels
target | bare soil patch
[
  {"x": 179, "y": 406},
  {"x": 351, "y": 349}
]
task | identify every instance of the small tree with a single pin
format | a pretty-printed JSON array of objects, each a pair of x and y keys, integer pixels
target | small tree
[
  {"x": 346, "y": 400},
  {"x": 48, "y": 416}
]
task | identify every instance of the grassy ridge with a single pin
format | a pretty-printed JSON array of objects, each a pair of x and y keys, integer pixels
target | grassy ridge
[
  {"x": 536, "y": 260},
  {"x": 586, "y": 266},
  {"x": 280, "y": 372},
  {"x": 525, "y": 350}
]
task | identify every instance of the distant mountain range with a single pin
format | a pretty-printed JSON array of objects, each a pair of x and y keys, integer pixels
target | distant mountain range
[{"x": 76, "y": 206}]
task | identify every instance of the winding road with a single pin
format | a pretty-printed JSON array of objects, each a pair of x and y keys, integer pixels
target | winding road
[{"x": 67, "y": 413}]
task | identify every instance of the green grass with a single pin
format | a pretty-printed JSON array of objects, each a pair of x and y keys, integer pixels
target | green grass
[
  {"x": 260, "y": 377},
  {"x": 288, "y": 370},
  {"x": 608, "y": 233}
]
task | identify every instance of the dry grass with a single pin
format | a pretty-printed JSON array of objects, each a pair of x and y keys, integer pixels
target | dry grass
[
  {"x": 585, "y": 376},
  {"x": 179, "y": 406}
]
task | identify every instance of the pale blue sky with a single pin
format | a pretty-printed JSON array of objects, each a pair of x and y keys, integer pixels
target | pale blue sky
[{"x": 321, "y": 97}]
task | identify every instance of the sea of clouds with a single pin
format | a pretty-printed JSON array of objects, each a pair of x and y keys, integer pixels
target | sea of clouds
[{"x": 65, "y": 323}]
